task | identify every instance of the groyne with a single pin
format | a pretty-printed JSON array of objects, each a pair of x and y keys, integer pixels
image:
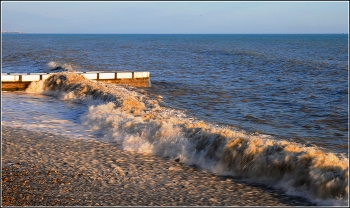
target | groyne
[{"x": 20, "y": 81}]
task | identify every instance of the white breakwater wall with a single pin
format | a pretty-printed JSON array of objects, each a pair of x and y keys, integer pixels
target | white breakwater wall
[{"x": 20, "y": 81}]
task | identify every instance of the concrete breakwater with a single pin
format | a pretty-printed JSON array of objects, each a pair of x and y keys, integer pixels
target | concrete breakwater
[{"x": 20, "y": 81}]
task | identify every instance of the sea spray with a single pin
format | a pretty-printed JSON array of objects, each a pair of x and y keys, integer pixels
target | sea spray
[
  {"x": 35, "y": 87},
  {"x": 138, "y": 123}
]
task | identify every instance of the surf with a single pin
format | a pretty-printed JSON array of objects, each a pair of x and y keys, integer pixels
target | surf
[{"x": 136, "y": 121}]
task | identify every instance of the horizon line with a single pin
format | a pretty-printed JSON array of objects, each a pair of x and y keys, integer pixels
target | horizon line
[{"x": 22, "y": 33}]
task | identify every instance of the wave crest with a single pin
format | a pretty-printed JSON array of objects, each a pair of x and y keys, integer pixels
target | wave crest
[{"x": 55, "y": 66}]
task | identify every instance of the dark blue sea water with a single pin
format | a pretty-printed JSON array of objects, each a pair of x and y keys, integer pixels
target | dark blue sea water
[{"x": 289, "y": 87}]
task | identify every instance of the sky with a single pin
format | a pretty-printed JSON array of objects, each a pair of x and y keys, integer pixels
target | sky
[{"x": 176, "y": 17}]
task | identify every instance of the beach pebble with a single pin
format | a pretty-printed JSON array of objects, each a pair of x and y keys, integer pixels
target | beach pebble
[{"x": 68, "y": 172}]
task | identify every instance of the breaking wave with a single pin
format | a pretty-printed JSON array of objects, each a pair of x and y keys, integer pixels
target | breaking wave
[
  {"x": 136, "y": 121},
  {"x": 53, "y": 66}
]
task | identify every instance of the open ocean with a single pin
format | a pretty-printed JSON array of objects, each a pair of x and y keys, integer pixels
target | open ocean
[{"x": 271, "y": 109}]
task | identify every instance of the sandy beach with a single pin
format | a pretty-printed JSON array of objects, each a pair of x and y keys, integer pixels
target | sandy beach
[{"x": 41, "y": 169}]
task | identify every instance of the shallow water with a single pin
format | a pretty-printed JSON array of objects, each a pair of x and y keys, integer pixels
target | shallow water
[{"x": 39, "y": 112}]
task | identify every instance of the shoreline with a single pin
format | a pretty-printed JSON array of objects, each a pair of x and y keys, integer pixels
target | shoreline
[{"x": 41, "y": 169}]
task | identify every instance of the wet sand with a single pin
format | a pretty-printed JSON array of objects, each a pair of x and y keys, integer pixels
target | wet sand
[{"x": 41, "y": 169}]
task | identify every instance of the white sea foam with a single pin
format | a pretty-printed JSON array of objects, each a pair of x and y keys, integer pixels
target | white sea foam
[
  {"x": 43, "y": 113},
  {"x": 138, "y": 123}
]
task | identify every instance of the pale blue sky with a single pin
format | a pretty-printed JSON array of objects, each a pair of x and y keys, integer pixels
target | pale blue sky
[{"x": 177, "y": 17}]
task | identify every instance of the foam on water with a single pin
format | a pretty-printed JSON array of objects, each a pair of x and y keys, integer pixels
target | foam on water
[
  {"x": 137, "y": 122},
  {"x": 42, "y": 113}
]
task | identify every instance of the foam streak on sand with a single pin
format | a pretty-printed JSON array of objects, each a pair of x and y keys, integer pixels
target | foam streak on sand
[{"x": 137, "y": 122}]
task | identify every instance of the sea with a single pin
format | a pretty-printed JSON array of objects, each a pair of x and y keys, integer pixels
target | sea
[{"x": 264, "y": 108}]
